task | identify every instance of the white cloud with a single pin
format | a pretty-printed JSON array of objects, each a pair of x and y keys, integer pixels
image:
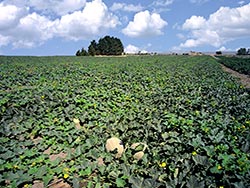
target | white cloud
[
  {"x": 224, "y": 25},
  {"x": 163, "y": 2},
  {"x": 126, "y": 7},
  {"x": 93, "y": 20},
  {"x": 131, "y": 49},
  {"x": 195, "y": 22},
  {"x": 4, "y": 40},
  {"x": 224, "y": 49},
  {"x": 10, "y": 16},
  {"x": 241, "y": 2},
  {"x": 145, "y": 24},
  {"x": 32, "y": 30},
  {"x": 160, "y": 5},
  {"x": 59, "y": 7},
  {"x": 23, "y": 29}
]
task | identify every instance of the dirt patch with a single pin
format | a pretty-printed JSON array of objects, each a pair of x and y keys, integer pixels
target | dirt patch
[
  {"x": 244, "y": 79},
  {"x": 59, "y": 184}
]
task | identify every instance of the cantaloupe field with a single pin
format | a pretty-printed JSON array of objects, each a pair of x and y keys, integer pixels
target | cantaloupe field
[{"x": 56, "y": 114}]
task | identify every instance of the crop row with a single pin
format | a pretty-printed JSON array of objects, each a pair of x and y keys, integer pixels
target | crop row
[
  {"x": 193, "y": 117},
  {"x": 239, "y": 64}
]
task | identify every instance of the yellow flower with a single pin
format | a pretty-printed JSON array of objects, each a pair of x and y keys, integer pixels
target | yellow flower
[
  {"x": 219, "y": 167},
  {"x": 26, "y": 186},
  {"x": 65, "y": 176},
  {"x": 15, "y": 167},
  {"x": 194, "y": 153},
  {"x": 197, "y": 112},
  {"x": 221, "y": 187},
  {"x": 33, "y": 164},
  {"x": 206, "y": 130},
  {"x": 42, "y": 97},
  {"x": 163, "y": 165}
]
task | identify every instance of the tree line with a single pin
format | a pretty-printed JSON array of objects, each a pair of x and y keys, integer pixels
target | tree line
[
  {"x": 105, "y": 46},
  {"x": 243, "y": 51}
]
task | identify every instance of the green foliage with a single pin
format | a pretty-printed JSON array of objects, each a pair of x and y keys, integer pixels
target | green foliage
[
  {"x": 238, "y": 64},
  {"x": 83, "y": 52},
  {"x": 110, "y": 46},
  {"x": 243, "y": 51},
  {"x": 218, "y": 52},
  {"x": 105, "y": 46},
  {"x": 194, "y": 118},
  {"x": 93, "y": 48}
]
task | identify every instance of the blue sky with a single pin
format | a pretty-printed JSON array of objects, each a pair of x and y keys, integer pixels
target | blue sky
[{"x": 61, "y": 27}]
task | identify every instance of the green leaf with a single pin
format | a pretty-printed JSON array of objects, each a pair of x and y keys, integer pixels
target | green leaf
[
  {"x": 202, "y": 160},
  {"x": 120, "y": 182},
  {"x": 47, "y": 178},
  {"x": 86, "y": 172},
  {"x": 41, "y": 172},
  {"x": 136, "y": 181},
  {"x": 194, "y": 183}
]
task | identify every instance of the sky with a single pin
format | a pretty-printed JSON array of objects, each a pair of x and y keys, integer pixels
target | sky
[{"x": 61, "y": 27}]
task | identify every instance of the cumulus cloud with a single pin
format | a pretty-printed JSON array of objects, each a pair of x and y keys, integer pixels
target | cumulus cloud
[
  {"x": 145, "y": 24},
  {"x": 32, "y": 30},
  {"x": 126, "y": 7},
  {"x": 131, "y": 49},
  {"x": 57, "y": 7},
  {"x": 195, "y": 22},
  {"x": 241, "y": 2},
  {"x": 224, "y": 49},
  {"x": 91, "y": 21},
  {"x": 10, "y": 16},
  {"x": 23, "y": 29},
  {"x": 224, "y": 25}
]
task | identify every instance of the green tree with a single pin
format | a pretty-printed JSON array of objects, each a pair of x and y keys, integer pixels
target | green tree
[
  {"x": 83, "y": 52},
  {"x": 242, "y": 51},
  {"x": 218, "y": 52},
  {"x": 93, "y": 48},
  {"x": 78, "y": 53},
  {"x": 105, "y": 46},
  {"x": 110, "y": 46}
]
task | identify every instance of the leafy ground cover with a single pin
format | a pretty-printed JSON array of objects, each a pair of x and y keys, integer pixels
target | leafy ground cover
[
  {"x": 239, "y": 64},
  {"x": 57, "y": 113}
]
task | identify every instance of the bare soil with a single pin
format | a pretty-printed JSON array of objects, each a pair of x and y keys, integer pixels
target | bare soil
[{"x": 244, "y": 79}]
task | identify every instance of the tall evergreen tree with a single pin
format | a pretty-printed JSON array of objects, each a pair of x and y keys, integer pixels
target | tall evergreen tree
[{"x": 93, "y": 49}]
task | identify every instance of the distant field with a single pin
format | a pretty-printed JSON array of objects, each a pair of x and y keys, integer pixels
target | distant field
[
  {"x": 194, "y": 118},
  {"x": 239, "y": 64}
]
